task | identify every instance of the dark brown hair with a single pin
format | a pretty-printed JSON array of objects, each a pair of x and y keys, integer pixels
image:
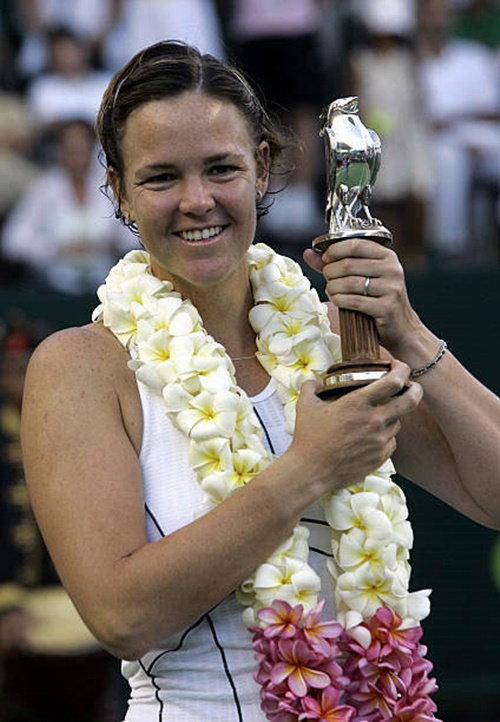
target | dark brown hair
[{"x": 167, "y": 69}]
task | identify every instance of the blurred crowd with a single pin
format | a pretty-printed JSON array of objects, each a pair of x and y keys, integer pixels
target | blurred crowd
[{"x": 427, "y": 74}]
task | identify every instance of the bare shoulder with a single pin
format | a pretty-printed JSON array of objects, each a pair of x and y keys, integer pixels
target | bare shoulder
[
  {"x": 79, "y": 350},
  {"x": 83, "y": 368}
]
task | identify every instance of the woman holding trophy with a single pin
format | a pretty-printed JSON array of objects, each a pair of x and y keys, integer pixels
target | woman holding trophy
[{"x": 236, "y": 539}]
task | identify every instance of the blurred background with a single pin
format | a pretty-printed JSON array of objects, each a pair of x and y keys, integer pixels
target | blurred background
[{"x": 427, "y": 74}]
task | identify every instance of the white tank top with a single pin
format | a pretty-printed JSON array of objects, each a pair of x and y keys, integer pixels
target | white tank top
[{"x": 205, "y": 672}]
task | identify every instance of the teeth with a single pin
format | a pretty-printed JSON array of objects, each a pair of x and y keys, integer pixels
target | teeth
[{"x": 201, "y": 235}]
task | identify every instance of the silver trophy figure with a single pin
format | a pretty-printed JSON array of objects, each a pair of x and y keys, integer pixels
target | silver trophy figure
[{"x": 353, "y": 155}]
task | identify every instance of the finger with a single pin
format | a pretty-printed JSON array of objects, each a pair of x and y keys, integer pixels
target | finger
[
  {"x": 366, "y": 285},
  {"x": 390, "y": 385},
  {"x": 313, "y": 259},
  {"x": 355, "y": 248},
  {"x": 403, "y": 404}
]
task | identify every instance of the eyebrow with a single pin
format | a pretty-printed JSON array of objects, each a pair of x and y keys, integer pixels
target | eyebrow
[{"x": 217, "y": 157}]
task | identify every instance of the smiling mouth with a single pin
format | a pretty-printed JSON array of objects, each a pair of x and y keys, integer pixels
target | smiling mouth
[{"x": 202, "y": 234}]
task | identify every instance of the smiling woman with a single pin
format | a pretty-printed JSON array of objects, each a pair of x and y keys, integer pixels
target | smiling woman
[{"x": 215, "y": 511}]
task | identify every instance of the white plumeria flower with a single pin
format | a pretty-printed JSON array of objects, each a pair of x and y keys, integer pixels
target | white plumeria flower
[
  {"x": 184, "y": 320},
  {"x": 292, "y": 305},
  {"x": 295, "y": 546},
  {"x": 361, "y": 511},
  {"x": 283, "y": 342},
  {"x": 417, "y": 607},
  {"x": 365, "y": 590},
  {"x": 154, "y": 354},
  {"x": 219, "y": 486},
  {"x": 258, "y": 256},
  {"x": 209, "y": 415},
  {"x": 352, "y": 622},
  {"x": 356, "y": 548},
  {"x": 302, "y": 363},
  {"x": 176, "y": 398},
  {"x": 276, "y": 286},
  {"x": 210, "y": 455},
  {"x": 397, "y": 513},
  {"x": 293, "y": 581}
]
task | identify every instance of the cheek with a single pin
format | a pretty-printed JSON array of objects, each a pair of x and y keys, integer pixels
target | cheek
[{"x": 150, "y": 208}]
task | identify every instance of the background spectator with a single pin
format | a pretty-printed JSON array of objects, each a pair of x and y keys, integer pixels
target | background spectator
[
  {"x": 279, "y": 46},
  {"x": 88, "y": 19},
  {"x": 460, "y": 87},
  {"x": 18, "y": 165},
  {"x": 63, "y": 228},
  {"x": 384, "y": 74},
  {"x": 70, "y": 88},
  {"x": 139, "y": 23}
]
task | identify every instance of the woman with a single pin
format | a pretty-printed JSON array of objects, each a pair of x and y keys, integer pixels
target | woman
[{"x": 133, "y": 454}]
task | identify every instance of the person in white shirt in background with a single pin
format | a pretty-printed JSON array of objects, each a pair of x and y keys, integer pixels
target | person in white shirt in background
[
  {"x": 279, "y": 46},
  {"x": 71, "y": 87},
  {"x": 89, "y": 19},
  {"x": 62, "y": 228},
  {"x": 460, "y": 85},
  {"x": 139, "y": 23}
]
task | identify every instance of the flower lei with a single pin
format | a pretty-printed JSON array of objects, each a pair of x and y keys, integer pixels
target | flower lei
[{"x": 368, "y": 665}]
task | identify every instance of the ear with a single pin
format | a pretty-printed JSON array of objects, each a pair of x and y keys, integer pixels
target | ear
[
  {"x": 263, "y": 159},
  {"x": 121, "y": 199}
]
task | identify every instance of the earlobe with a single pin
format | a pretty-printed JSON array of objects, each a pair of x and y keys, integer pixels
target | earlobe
[
  {"x": 121, "y": 201},
  {"x": 262, "y": 156}
]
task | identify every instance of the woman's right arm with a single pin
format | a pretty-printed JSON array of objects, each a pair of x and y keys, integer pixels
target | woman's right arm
[{"x": 85, "y": 483}]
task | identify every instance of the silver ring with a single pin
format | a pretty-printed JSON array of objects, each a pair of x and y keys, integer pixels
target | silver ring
[{"x": 366, "y": 287}]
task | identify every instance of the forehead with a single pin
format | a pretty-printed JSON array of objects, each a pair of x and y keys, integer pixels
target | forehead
[{"x": 190, "y": 121}]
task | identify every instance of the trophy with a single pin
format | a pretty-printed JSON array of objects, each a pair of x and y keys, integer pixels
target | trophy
[{"x": 353, "y": 155}]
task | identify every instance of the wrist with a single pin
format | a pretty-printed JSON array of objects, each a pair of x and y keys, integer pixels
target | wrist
[
  {"x": 416, "y": 348},
  {"x": 429, "y": 365}
]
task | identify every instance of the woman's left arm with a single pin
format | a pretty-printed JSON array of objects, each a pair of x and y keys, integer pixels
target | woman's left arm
[{"x": 450, "y": 445}]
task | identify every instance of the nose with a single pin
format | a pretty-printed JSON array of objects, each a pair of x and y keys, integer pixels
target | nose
[{"x": 196, "y": 196}]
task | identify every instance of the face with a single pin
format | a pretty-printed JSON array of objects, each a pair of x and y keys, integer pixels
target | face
[
  {"x": 191, "y": 178},
  {"x": 76, "y": 150}
]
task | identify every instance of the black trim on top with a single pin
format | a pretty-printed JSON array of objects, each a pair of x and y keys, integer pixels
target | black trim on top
[
  {"x": 264, "y": 430},
  {"x": 226, "y": 668}
]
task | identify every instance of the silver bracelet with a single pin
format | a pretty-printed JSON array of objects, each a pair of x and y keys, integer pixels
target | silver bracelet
[{"x": 424, "y": 369}]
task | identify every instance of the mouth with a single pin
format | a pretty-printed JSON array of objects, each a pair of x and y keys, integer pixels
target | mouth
[{"x": 200, "y": 234}]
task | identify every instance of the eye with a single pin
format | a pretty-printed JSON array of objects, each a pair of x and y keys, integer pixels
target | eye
[
  {"x": 165, "y": 177},
  {"x": 162, "y": 178},
  {"x": 223, "y": 170}
]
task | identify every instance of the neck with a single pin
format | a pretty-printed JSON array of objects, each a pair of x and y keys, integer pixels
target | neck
[
  {"x": 224, "y": 310},
  {"x": 226, "y": 319}
]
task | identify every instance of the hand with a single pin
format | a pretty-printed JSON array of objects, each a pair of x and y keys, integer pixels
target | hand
[
  {"x": 346, "y": 265},
  {"x": 342, "y": 441}
]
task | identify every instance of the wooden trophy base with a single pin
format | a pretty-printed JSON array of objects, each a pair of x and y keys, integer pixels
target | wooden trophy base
[{"x": 360, "y": 349}]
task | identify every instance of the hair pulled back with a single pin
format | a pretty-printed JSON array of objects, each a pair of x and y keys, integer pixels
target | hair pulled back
[{"x": 165, "y": 70}]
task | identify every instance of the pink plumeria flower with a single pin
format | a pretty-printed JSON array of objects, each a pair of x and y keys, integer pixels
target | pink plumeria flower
[
  {"x": 327, "y": 708},
  {"x": 419, "y": 711},
  {"x": 385, "y": 626},
  {"x": 298, "y": 668},
  {"x": 318, "y": 634},
  {"x": 281, "y": 619}
]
